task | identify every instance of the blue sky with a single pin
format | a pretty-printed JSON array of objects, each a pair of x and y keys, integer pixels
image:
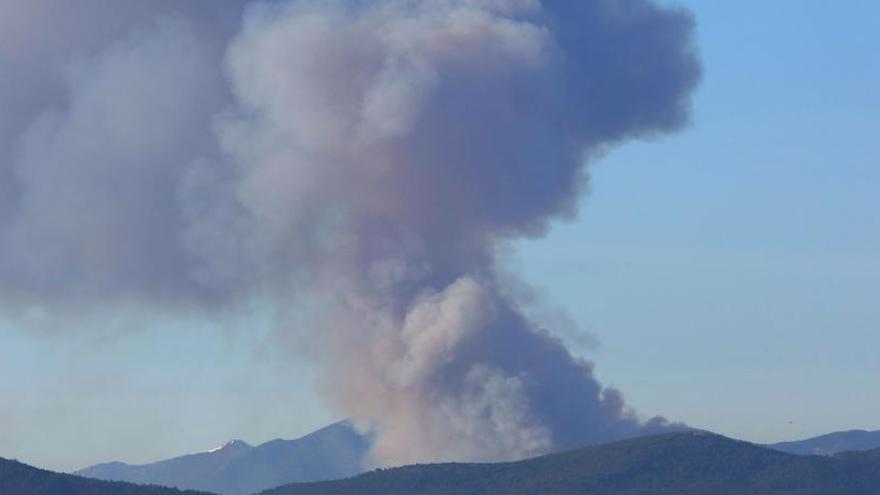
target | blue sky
[{"x": 729, "y": 273}]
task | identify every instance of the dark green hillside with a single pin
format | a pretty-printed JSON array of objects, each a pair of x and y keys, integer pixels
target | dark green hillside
[
  {"x": 673, "y": 464},
  {"x": 20, "y": 479}
]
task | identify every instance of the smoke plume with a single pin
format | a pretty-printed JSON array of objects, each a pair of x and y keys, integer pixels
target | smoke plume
[{"x": 373, "y": 157}]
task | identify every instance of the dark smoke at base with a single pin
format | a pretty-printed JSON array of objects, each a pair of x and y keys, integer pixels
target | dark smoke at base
[{"x": 373, "y": 155}]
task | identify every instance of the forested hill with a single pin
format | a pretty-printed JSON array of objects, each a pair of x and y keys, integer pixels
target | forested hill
[
  {"x": 20, "y": 479},
  {"x": 673, "y": 464}
]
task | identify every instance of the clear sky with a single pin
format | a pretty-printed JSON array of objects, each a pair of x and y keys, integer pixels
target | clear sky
[{"x": 729, "y": 273}]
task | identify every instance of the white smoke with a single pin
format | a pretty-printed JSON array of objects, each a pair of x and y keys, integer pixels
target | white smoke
[{"x": 373, "y": 155}]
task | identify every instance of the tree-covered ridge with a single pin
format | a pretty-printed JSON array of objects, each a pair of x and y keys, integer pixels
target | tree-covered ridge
[
  {"x": 673, "y": 464},
  {"x": 20, "y": 479}
]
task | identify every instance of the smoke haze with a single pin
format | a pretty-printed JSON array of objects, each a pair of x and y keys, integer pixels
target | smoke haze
[{"x": 371, "y": 156}]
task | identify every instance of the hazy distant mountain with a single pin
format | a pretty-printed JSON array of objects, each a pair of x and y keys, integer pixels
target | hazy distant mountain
[
  {"x": 337, "y": 451},
  {"x": 832, "y": 443},
  {"x": 692, "y": 463},
  {"x": 20, "y": 479}
]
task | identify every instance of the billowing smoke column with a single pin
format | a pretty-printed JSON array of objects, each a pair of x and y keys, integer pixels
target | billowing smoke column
[{"x": 372, "y": 155}]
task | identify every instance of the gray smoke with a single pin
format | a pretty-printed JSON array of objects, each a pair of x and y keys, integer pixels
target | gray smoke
[
  {"x": 103, "y": 109},
  {"x": 374, "y": 156}
]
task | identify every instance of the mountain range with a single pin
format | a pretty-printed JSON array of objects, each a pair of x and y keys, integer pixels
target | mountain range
[
  {"x": 336, "y": 452},
  {"x": 832, "y": 443},
  {"x": 236, "y": 468},
  {"x": 20, "y": 479},
  {"x": 690, "y": 463}
]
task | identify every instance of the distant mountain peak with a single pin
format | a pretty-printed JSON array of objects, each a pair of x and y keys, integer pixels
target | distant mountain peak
[
  {"x": 832, "y": 443},
  {"x": 232, "y": 444},
  {"x": 234, "y": 468}
]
